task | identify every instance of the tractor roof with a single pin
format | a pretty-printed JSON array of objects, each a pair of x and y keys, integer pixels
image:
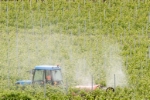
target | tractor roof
[{"x": 47, "y": 67}]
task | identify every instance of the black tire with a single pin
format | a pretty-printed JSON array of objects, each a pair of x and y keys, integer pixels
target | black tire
[{"x": 110, "y": 89}]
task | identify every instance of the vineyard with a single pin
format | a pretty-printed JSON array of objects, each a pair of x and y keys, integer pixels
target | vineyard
[{"x": 101, "y": 41}]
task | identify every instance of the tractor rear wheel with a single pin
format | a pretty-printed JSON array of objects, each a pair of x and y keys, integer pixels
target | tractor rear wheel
[{"x": 110, "y": 89}]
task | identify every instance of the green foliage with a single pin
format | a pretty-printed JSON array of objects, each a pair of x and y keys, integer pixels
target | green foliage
[
  {"x": 73, "y": 34},
  {"x": 13, "y": 95}
]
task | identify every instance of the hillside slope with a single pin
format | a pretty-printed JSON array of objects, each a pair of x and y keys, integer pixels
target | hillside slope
[{"x": 86, "y": 38}]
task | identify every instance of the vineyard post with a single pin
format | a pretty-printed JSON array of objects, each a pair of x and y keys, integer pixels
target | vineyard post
[
  {"x": 120, "y": 12},
  {"x": 17, "y": 39},
  {"x": 147, "y": 26},
  {"x": 46, "y": 47},
  {"x": 41, "y": 32},
  {"x": 71, "y": 42},
  {"x": 149, "y": 52},
  {"x": 67, "y": 26},
  {"x": 149, "y": 17},
  {"x": 138, "y": 3},
  {"x": 134, "y": 45},
  {"x": 147, "y": 56},
  {"x": 78, "y": 36},
  {"x": 99, "y": 1},
  {"x": 30, "y": 4},
  {"x": 0, "y": 7},
  {"x": 136, "y": 12},
  {"x": 50, "y": 53},
  {"x": 112, "y": 28},
  {"x": 59, "y": 44},
  {"x": 127, "y": 62},
  {"x": 94, "y": 8},
  {"x": 84, "y": 33},
  {"x": 53, "y": 5},
  {"x": 104, "y": 14},
  {"x": 100, "y": 23},
  {"x": 69, "y": 4},
  {"x": 8, "y": 42},
  {"x": 38, "y": 6},
  {"x": 44, "y": 88},
  {"x": 66, "y": 86},
  {"x": 129, "y": 27},
  {"x": 8, "y": 62},
  {"x": 114, "y": 81},
  {"x": 143, "y": 31},
  {"x": 109, "y": 3},
  {"x": 117, "y": 22},
  {"x": 84, "y": 2},
  {"x": 63, "y": 12},
  {"x": 47, "y": 13},
  {"x": 78, "y": 9},
  {"x": 92, "y": 81},
  {"x": 89, "y": 16},
  {"x": 121, "y": 40},
  {"x": 142, "y": 70}
]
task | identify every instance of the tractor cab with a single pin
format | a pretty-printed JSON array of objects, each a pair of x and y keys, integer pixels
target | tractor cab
[
  {"x": 42, "y": 74},
  {"x": 47, "y": 74}
]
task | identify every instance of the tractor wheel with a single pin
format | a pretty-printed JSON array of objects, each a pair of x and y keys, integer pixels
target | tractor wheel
[{"x": 110, "y": 89}]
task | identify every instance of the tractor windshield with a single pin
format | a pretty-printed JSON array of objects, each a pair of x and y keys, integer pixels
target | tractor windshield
[
  {"x": 53, "y": 77},
  {"x": 57, "y": 75},
  {"x": 38, "y": 75}
]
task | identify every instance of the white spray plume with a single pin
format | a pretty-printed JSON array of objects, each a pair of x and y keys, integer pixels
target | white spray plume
[
  {"x": 82, "y": 74},
  {"x": 113, "y": 65}
]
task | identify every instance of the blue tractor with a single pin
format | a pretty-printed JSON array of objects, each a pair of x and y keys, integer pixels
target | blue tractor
[
  {"x": 48, "y": 74},
  {"x": 42, "y": 74}
]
